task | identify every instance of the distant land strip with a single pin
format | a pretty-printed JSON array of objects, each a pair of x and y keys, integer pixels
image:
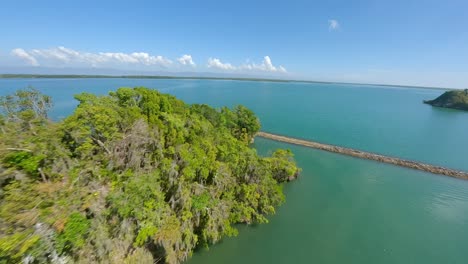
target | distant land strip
[
  {"x": 253, "y": 79},
  {"x": 367, "y": 155}
]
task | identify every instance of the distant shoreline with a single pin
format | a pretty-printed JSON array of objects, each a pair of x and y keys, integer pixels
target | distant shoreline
[{"x": 86, "y": 76}]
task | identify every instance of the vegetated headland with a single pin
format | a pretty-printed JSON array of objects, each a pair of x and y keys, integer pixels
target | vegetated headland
[
  {"x": 451, "y": 99},
  {"x": 136, "y": 176},
  {"x": 368, "y": 155}
]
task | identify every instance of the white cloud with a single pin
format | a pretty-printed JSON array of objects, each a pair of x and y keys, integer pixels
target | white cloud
[
  {"x": 265, "y": 66},
  {"x": 22, "y": 54},
  {"x": 132, "y": 58},
  {"x": 60, "y": 56},
  {"x": 217, "y": 64},
  {"x": 333, "y": 24},
  {"x": 65, "y": 57},
  {"x": 186, "y": 60}
]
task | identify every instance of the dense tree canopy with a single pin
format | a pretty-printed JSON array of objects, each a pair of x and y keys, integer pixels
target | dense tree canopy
[{"x": 133, "y": 177}]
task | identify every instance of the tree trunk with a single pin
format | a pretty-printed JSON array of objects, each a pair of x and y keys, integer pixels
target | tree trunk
[{"x": 44, "y": 179}]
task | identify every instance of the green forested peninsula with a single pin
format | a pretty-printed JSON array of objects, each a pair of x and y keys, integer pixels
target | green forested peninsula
[
  {"x": 451, "y": 99},
  {"x": 133, "y": 177}
]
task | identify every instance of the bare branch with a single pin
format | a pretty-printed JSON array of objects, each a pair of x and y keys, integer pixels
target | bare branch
[
  {"x": 101, "y": 144},
  {"x": 19, "y": 149}
]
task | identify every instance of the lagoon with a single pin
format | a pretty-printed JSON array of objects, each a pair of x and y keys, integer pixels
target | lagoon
[{"x": 342, "y": 209}]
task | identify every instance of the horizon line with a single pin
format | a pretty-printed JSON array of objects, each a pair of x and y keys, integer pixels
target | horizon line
[{"x": 258, "y": 79}]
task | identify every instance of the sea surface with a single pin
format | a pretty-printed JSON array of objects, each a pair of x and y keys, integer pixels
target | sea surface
[{"x": 341, "y": 209}]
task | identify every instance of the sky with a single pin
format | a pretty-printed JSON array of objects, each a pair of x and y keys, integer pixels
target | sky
[{"x": 408, "y": 42}]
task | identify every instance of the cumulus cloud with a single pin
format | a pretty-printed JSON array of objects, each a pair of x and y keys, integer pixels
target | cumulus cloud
[
  {"x": 22, "y": 54},
  {"x": 135, "y": 57},
  {"x": 186, "y": 60},
  {"x": 217, "y": 64},
  {"x": 333, "y": 24},
  {"x": 265, "y": 66},
  {"x": 65, "y": 56}
]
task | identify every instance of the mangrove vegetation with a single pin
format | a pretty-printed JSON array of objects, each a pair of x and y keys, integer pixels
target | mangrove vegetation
[{"x": 132, "y": 177}]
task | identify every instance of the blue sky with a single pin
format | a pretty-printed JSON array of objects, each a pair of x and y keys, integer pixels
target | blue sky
[{"x": 401, "y": 42}]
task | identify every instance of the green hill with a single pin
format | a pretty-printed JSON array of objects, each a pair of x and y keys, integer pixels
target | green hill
[
  {"x": 133, "y": 177},
  {"x": 457, "y": 99}
]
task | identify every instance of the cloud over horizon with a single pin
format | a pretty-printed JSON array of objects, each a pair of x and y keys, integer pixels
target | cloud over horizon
[
  {"x": 61, "y": 56},
  {"x": 186, "y": 60},
  {"x": 22, "y": 54},
  {"x": 65, "y": 57},
  {"x": 217, "y": 64},
  {"x": 265, "y": 66}
]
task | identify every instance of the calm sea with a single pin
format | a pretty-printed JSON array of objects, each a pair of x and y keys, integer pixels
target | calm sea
[{"x": 342, "y": 209}]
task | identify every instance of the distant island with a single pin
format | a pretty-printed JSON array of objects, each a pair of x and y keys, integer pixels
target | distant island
[{"x": 451, "y": 99}]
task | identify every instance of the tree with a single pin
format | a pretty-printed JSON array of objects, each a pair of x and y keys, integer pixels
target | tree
[
  {"x": 247, "y": 123},
  {"x": 135, "y": 176},
  {"x": 242, "y": 122},
  {"x": 29, "y": 107}
]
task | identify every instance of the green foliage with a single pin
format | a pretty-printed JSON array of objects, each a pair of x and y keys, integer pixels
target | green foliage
[
  {"x": 241, "y": 122},
  {"x": 14, "y": 247},
  {"x": 24, "y": 161},
  {"x": 200, "y": 202},
  {"x": 247, "y": 124},
  {"x": 283, "y": 166},
  {"x": 74, "y": 234},
  {"x": 135, "y": 176}
]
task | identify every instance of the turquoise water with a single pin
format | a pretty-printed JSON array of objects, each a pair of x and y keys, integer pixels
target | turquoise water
[
  {"x": 345, "y": 210},
  {"x": 342, "y": 209}
]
